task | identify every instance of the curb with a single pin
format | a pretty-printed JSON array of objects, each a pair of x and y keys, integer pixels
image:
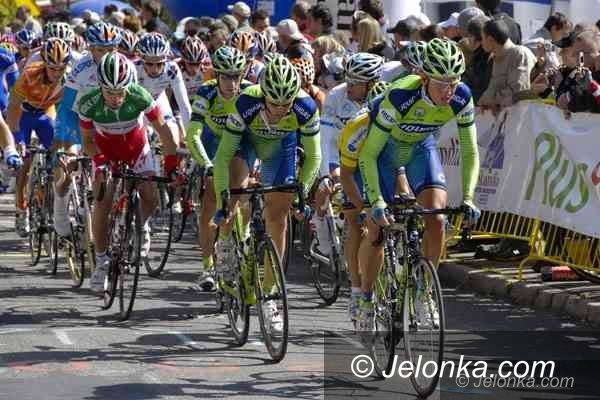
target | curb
[{"x": 578, "y": 299}]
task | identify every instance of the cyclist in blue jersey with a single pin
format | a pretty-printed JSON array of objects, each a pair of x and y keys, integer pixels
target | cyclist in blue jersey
[{"x": 9, "y": 72}]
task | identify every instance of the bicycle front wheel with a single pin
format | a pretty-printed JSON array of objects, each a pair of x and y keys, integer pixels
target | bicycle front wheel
[
  {"x": 424, "y": 324},
  {"x": 382, "y": 346},
  {"x": 35, "y": 232},
  {"x": 271, "y": 295},
  {"x": 129, "y": 261}
]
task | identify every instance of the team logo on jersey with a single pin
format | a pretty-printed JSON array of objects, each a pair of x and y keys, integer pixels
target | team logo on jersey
[
  {"x": 219, "y": 120},
  {"x": 235, "y": 121},
  {"x": 251, "y": 111},
  {"x": 388, "y": 115},
  {"x": 312, "y": 126},
  {"x": 412, "y": 128},
  {"x": 201, "y": 105},
  {"x": 419, "y": 112}
]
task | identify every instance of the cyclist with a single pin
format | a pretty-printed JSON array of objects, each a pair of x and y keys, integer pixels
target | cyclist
[
  {"x": 351, "y": 140},
  {"x": 102, "y": 38},
  {"x": 9, "y": 72},
  {"x": 211, "y": 106},
  {"x": 113, "y": 132},
  {"x": 306, "y": 70},
  {"x": 269, "y": 116},
  {"x": 244, "y": 42},
  {"x": 402, "y": 134},
  {"x": 128, "y": 44},
  {"x": 25, "y": 41},
  {"x": 156, "y": 73},
  {"x": 263, "y": 44},
  {"x": 343, "y": 103},
  {"x": 36, "y": 91},
  {"x": 12, "y": 158},
  {"x": 60, "y": 30},
  {"x": 194, "y": 64}
]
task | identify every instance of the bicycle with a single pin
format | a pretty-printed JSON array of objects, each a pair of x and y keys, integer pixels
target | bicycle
[
  {"x": 258, "y": 277},
  {"x": 79, "y": 246},
  {"x": 125, "y": 237},
  {"x": 40, "y": 200},
  {"x": 407, "y": 297},
  {"x": 191, "y": 198}
]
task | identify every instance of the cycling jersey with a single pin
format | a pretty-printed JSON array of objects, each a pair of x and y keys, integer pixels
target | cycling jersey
[
  {"x": 35, "y": 89},
  {"x": 193, "y": 83},
  {"x": 82, "y": 78},
  {"x": 337, "y": 111},
  {"x": 402, "y": 128},
  {"x": 9, "y": 73},
  {"x": 352, "y": 139},
  {"x": 254, "y": 70},
  {"x": 171, "y": 77},
  {"x": 120, "y": 134},
  {"x": 209, "y": 116},
  {"x": 274, "y": 144}
]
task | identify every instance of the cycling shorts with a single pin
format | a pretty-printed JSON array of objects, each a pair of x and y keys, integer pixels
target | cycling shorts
[
  {"x": 281, "y": 168},
  {"x": 132, "y": 148},
  {"x": 39, "y": 121}
]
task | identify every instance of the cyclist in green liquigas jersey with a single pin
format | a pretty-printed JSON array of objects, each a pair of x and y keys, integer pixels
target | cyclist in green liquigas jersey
[
  {"x": 269, "y": 117},
  {"x": 213, "y": 102},
  {"x": 402, "y": 134},
  {"x": 112, "y": 131}
]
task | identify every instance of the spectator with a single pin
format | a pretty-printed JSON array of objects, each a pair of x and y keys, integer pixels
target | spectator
[
  {"x": 492, "y": 9},
  {"x": 430, "y": 32},
  {"x": 230, "y": 21},
  {"x": 241, "y": 12},
  {"x": 90, "y": 17},
  {"x": 133, "y": 23},
  {"x": 464, "y": 18},
  {"x": 356, "y": 18},
  {"x": 512, "y": 67},
  {"x": 556, "y": 27},
  {"x": 328, "y": 55},
  {"x": 109, "y": 9},
  {"x": 450, "y": 27},
  {"x": 371, "y": 40},
  {"x": 260, "y": 21},
  {"x": 217, "y": 37},
  {"x": 151, "y": 20},
  {"x": 320, "y": 20},
  {"x": 192, "y": 27},
  {"x": 300, "y": 13},
  {"x": 375, "y": 9},
  {"x": 117, "y": 18},
  {"x": 403, "y": 33},
  {"x": 24, "y": 14},
  {"x": 479, "y": 68},
  {"x": 289, "y": 36}
]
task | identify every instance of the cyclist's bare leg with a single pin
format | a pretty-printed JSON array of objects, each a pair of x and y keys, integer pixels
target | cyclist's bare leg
[
  {"x": 277, "y": 207},
  {"x": 206, "y": 239},
  {"x": 433, "y": 238},
  {"x": 352, "y": 244},
  {"x": 238, "y": 178},
  {"x": 101, "y": 212},
  {"x": 149, "y": 198},
  {"x": 402, "y": 186},
  {"x": 21, "y": 184},
  {"x": 370, "y": 256}
]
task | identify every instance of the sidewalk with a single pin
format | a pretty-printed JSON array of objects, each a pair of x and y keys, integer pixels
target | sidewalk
[{"x": 579, "y": 299}]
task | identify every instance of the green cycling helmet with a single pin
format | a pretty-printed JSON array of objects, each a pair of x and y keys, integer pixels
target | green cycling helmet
[
  {"x": 443, "y": 59},
  {"x": 229, "y": 60},
  {"x": 280, "y": 82},
  {"x": 413, "y": 54},
  {"x": 378, "y": 88}
]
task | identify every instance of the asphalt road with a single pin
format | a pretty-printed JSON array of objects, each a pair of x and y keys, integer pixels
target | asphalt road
[{"x": 57, "y": 343}]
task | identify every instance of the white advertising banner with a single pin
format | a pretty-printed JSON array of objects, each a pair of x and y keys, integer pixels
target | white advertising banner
[{"x": 534, "y": 163}]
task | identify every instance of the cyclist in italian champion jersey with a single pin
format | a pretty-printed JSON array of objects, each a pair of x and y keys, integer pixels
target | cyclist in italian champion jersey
[
  {"x": 195, "y": 64},
  {"x": 113, "y": 131},
  {"x": 9, "y": 72},
  {"x": 244, "y": 42},
  {"x": 402, "y": 134},
  {"x": 83, "y": 77},
  {"x": 36, "y": 91},
  {"x": 128, "y": 44},
  {"x": 156, "y": 73},
  {"x": 213, "y": 103},
  {"x": 351, "y": 141},
  {"x": 269, "y": 116}
]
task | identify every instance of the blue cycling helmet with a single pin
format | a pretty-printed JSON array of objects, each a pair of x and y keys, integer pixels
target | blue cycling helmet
[
  {"x": 25, "y": 38},
  {"x": 154, "y": 45},
  {"x": 103, "y": 34}
]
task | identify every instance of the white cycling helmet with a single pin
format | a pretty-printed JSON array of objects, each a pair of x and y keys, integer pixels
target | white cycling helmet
[{"x": 364, "y": 67}]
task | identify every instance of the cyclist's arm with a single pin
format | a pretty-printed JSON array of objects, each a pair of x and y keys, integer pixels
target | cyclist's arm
[
  {"x": 329, "y": 133},
  {"x": 376, "y": 140},
  {"x": 163, "y": 129},
  {"x": 312, "y": 160},
  {"x": 194, "y": 133},
  {"x": 6, "y": 138},
  {"x": 350, "y": 187},
  {"x": 229, "y": 144},
  {"x": 180, "y": 93},
  {"x": 87, "y": 136},
  {"x": 11, "y": 75},
  {"x": 12, "y": 112},
  {"x": 469, "y": 158}
]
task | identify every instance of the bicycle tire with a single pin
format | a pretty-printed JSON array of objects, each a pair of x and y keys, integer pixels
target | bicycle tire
[
  {"x": 410, "y": 326},
  {"x": 112, "y": 275},
  {"x": 268, "y": 257},
  {"x": 129, "y": 263},
  {"x": 35, "y": 232},
  {"x": 382, "y": 346},
  {"x": 53, "y": 256},
  {"x": 156, "y": 260},
  {"x": 74, "y": 256},
  {"x": 289, "y": 243},
  {"x": 237, "y": 308},
  {"x": 186, "y": 200},
  {"x": 327, "y": 278}
]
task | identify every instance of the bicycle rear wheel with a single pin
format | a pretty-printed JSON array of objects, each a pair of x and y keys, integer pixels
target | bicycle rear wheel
[
  {"x": 237, "y": 307},
  {"x": 271, "y": 295},
  {"x": 74, "y": 253},
  {"x": 129, "y": 261},
  {"x": 161, "y": 234},
  {"x": 424, "y": 324},
  {"x": 35, "y": 229},
  {"x": 382, "y": 346},
  {"x": 326, "y": 276}
]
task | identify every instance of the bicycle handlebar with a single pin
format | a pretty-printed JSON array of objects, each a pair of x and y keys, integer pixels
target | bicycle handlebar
[{"x": 285, "y": 188}]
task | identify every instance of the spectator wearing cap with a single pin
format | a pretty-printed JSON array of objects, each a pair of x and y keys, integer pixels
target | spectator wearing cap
[
  {"x": 24, "y": 14},
  {"x": 491, "y": 8},
  {"x": 511, "y": 72},
  {"x": 301, "y": 13},
  {"x": 241, "y": 11},
  {"x": 403, "y": 33},
  {"x": 479, "y": 67},
  {"x": 450, "y": 27},
  {"x": 289, "y": 36},
  {"x": 430, "y": 32},
  {"x": 320, "y": 20},
  {"x": 260, "y": 21}
]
